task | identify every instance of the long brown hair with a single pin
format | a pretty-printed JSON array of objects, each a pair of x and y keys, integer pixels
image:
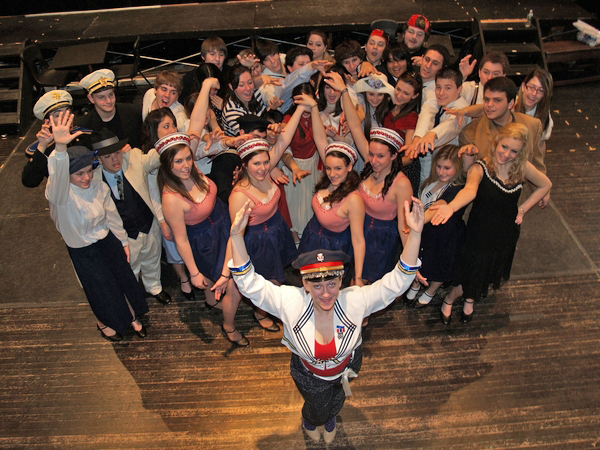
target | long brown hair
[
  {"x": 350, "y": 184},
  {"x": 542, "y": 111},
  {"x": 415, "y": 80},
  {"x": 168, "y": 181},
  {"x": 516, "y": 173},
  {"x": 244, "y": 179},
  {"x": 150, "y": 127}
]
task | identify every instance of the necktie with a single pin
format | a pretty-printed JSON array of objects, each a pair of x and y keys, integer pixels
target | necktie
[
  {"x": 438, "y": 116},
  {"x": 119, "y": 179}
]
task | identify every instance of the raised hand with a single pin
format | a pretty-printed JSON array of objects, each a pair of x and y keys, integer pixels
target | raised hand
[
  {"x": 44, "y": 136},
  {"x": 466, "y": 67},
  {"x": 241, "y": 219},
  {"x": 61, "y": 128},
  {"x": 415, "y": 218},
  {"x": 335, "y": 80}
]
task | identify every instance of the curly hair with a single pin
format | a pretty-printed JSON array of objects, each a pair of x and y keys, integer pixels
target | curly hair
[{"x": 516, "y": 173}]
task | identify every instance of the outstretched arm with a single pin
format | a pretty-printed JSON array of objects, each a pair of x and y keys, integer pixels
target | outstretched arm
[
  {"x": 238, "y": 246},
  {"x": 465, "y": 196}
]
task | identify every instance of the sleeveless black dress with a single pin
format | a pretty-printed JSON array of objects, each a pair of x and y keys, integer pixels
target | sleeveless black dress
[{"x": 492, "y": 235}]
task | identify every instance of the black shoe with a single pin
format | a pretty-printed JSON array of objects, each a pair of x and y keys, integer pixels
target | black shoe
[
  {"x": 163, "y": 297},
  {"x": 189, "y": 295},
  {"x": 273, "y": 328},
  {"x": 243, "y": 342},
  {"x": 114, "y": 338},
  {"x": 209, "y": 306},
  {"x": 466, "y": 318},
  {"x": 141, "y": 333},
  {"x": 445, "y": 319}
]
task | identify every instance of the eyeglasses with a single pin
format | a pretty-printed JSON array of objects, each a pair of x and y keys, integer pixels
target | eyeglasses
[{"x": 535, "y": 90}]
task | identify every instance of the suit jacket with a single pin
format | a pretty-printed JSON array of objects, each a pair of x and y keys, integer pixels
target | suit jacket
[
  {"x": 131, "y": 119},
  {"x": 481, "y": 133},
  {"x": 296, "y": 310},
  {"x": 136, "y": 166}
]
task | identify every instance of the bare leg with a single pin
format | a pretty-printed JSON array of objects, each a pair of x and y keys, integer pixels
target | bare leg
[
  {"x": 210, "y": 297},
  {"x": 181, "y": 273},
  {"x": 108, "y": 331},
  {"x": 261, "y": 315},
  {"x": 231, "y": 301},
  {"x": 452, "y": 295},
  {"x": 137, "y": 325},
  {"x": 468, "y": 306}
]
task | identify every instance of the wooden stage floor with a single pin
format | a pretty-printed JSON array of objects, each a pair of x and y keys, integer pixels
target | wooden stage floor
[{"x": 524, "y": 373}]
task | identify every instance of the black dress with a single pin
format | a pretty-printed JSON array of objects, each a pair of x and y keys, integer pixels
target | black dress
[
  {"x": 441, "y": 244},
  {"x": 492, "y": 235}
]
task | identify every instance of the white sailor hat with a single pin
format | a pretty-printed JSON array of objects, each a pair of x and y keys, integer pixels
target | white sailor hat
[
  {"x": 387, "y": 135},
  {"x": 346, "y": 149},
  {"x": 375, "y": 83},
  {"x": 51, "y": 101},
  {"x": 251, "y": 146},
  {"x": 170, "y": 140},
  {"x": 100, "y": 79}
]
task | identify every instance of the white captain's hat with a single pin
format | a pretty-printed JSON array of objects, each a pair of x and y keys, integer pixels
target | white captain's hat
[
  {"x": 100, "y": 79},
  {"x": 51, "y": 101}
]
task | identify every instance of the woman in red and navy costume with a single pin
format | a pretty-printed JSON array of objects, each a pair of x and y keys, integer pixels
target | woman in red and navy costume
[{"x": 322, "y": 324}]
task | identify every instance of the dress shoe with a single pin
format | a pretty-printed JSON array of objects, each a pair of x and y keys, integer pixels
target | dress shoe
[
  {"x": 114, "y": 338},
  {"x": 189, "y": 295},
  {"x": 243, "y": 342},
  {"x": 209, "y": 306},
  {"x": 329, "y": 436},
  {"x": 466, "y": 318},
  {"x": 163, "y": 297},
  {"x": 445, "y": 319},
  {"x": 141, "y": 333},
  {"x": 273, "y": 328},
  {"x": 315, "y": 434}
]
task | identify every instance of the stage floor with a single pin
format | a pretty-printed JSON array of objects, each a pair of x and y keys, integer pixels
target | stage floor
[{"x": 524, "y": 373}]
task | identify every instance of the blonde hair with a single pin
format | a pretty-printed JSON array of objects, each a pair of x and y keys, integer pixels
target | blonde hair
[
  {"x": 446, "y": 152},
  {"x": 516, "y": 173}
]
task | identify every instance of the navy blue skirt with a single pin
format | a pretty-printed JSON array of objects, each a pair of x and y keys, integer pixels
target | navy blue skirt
[
  {"x": 271, "y": 247},
  {"x": 316, "y": 236},
  {"x": 208, "y": 240},
  {"x": 381, "y": 239},
  {"x": 107, "y": 279}
]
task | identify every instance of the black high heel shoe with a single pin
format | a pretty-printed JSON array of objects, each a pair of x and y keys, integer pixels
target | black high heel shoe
[
  {"x": 273, "y": 328},
  {"x": 189, "y": 295},
  {"x": 242, "y": 342},
  {"x": 466, "y": 318},
  {"x": 142, "y": 333},
  {"x": 114, "y": 338},
  {"x": 446, "y": 319}
]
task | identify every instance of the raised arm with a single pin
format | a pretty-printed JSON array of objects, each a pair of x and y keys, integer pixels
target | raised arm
[
  {"x": 319, "y": 134},
  {"x": 286, "y": 136},
  {"x": 198, "y": 116},
  {"x": 336, "y": 81}
]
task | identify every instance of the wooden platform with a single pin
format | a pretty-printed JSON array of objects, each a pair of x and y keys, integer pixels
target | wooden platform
[{"x": 524, "y": 373}]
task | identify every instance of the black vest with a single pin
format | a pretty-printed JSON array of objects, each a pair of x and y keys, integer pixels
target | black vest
[{"x": 136, "y": 216}]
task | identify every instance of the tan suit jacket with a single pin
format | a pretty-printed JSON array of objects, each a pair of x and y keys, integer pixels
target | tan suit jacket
[{"x": 482, "y": 131}]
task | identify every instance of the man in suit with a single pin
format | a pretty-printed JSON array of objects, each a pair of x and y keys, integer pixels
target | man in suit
[
  {"x": 123, "y": 119},
  {"x": 126, "y": 173}
]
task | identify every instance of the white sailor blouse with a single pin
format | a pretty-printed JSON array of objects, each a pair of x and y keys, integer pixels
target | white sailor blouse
[{"x": 295, "y": 308}]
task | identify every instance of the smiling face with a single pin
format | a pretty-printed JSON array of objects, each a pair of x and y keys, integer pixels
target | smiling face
[
  {"x": 245, "y": 89},
  {"x": 496, "y": 106},
  {"x": 446, "y": 91},
  {"x": 166, "y": 95},
  {"x": 336, "y": 169},
  {"x": 351, "y": 64},
  {"x": 273, "y": 62},
  {"x": 165, "y": 127},
  {"x": 380, "y": 156},
  {"x": 431, "y": 65},
  {"x": 533, "y": 93},
  {"x": 404, "y": 93},
  {"x": 413, "y": 38},
  {"x": 316, "y": 44},
  {"x": 374, "y": 99},
  {"x": 323, "y": 293},
  {"x": 104, "y": 101},
  {"x": 182, "y": 164},
  {"x": 113, "y": 162},
  {"x": 396, "y": 67},
  {"x": 259, "y": 166},
  {"x": 507, "y": 150},
  {"x": 83, "y": 177},
  {"x": 445, "y": 170},
  {"x": 374, "y": 49}
]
